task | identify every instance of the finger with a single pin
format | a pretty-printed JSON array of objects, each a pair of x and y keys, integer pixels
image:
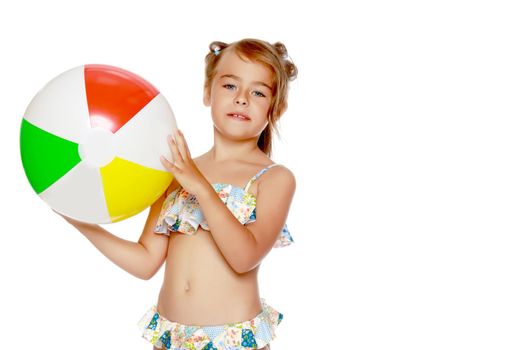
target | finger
[
  {"x": 167, "y": 164},
  {"x": 183, "y": 147},
  {"x": 186, "y": 146},
  {"x": 164, "y": 162},
  {"x": 174, "y": 148},
  {"x": 177, "y": 139}
]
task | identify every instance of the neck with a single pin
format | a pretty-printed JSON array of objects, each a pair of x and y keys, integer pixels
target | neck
[{"x": 225, "y": 149}]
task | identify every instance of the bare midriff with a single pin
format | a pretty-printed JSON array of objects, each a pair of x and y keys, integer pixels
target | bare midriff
[{"x": 200, "y": 288}]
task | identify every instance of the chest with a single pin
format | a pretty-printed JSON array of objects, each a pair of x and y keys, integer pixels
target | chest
[{"x": 221, "y": 175}]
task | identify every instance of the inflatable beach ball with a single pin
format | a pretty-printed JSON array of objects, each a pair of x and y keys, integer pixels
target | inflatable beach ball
[{"x": 90, "y": 143}]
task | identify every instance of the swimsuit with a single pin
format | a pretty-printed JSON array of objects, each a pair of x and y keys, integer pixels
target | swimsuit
[
  {"x": 181, "y": 212},
  {"x": 251, "y": 334}
]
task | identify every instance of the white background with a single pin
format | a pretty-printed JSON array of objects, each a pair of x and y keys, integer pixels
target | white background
[{"x": 405, "y": 133}]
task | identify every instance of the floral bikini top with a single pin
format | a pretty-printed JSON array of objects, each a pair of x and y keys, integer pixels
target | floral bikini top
[{"x": 181, "y": 211}]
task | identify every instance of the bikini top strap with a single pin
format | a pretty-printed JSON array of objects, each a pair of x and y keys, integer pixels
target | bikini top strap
[{"x": 256, "y": 176}]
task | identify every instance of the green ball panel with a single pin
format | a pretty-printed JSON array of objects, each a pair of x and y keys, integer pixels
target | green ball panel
[{"x": 45, "y": 157}]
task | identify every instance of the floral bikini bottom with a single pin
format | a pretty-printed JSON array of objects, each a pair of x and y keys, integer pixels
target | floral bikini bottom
[{"x": 251, "y": 334}]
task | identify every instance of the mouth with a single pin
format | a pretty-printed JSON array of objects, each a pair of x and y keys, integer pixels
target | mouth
[{"x": 238, "y": 116}]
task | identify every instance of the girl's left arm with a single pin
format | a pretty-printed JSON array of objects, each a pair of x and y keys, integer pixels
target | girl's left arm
[{"x": 244, "y": 247}]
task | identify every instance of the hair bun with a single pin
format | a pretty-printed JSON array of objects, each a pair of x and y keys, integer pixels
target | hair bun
[
  {"x": 217, "y": 45},
  {"x": 281, "y": 49},
  {"x": 289, "y": 67},
  {"x": 291, "y": 70}
]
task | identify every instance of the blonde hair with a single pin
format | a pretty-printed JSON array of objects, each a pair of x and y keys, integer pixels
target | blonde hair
[{"x": 275, "y": 57}]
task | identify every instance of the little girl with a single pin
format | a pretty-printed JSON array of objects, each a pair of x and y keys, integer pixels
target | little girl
[{"x": 222, "y": 213}]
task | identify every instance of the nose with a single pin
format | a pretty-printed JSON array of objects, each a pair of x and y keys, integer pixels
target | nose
[{"x": 241, "y": 100}]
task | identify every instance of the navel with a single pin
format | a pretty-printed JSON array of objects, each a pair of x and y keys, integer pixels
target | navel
[{"x": 187, "y": 286}]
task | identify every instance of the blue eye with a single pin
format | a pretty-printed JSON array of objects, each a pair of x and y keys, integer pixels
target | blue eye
[{"x": 231, "y": 87}]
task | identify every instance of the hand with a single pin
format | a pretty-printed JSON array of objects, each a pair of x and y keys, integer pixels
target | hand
[{"x": 183, "y": 168}]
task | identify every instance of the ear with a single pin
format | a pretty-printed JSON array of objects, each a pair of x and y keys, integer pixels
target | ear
[{"x": 206, "y": 97}]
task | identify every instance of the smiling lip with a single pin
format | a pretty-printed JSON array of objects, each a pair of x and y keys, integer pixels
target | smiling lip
[{"x": 239, "y": 114}]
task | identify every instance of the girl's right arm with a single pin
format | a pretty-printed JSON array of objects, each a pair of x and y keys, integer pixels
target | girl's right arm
[{"x": 142, "y": 259}]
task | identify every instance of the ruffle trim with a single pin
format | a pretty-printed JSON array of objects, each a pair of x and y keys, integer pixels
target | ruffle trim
[
  {"x": 251, "y": 334},
  {"x": 181, "y": 212}
]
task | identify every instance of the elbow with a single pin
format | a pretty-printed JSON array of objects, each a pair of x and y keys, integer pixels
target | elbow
[
  {"x": 242, "y": 271},
  {"x": 144, "y": 275},
  {"x": 246, "y": 262},
  {"x": 151, "y": 267},
  {"x": 244, "y": 267},
  {"x": 245, "y": 270},
  {"x": 147, "y": 274},
  {"x": 238, "y": 267},
  {"x": 239, "y": 271}
]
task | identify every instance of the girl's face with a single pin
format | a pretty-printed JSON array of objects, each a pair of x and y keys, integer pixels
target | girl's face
[{"x": 239, "y": 88}]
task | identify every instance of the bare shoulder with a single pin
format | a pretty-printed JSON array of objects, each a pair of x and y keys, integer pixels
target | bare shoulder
[
  {"x": 277, "y": 178},
  {"x": 281, "y": 170}
]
